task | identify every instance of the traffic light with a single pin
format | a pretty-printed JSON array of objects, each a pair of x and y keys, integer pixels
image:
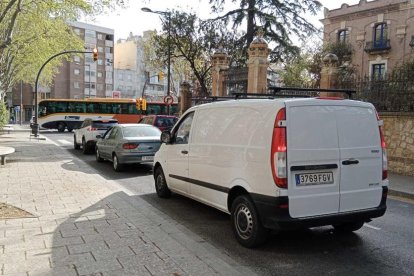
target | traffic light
[
  {"x": 143, "y": 104},
  {"x": 160, "y": 76},
  {"x": 95, "y": 54},
  {"x": 138, "y": 104}
]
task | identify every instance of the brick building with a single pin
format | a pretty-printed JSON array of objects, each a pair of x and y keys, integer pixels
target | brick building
[{"x": 381, "y": 33}]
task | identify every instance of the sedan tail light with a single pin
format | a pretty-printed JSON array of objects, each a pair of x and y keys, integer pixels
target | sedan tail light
[
  {"x": 92, "y": 129},
  {"x": 130, "y": 146}
]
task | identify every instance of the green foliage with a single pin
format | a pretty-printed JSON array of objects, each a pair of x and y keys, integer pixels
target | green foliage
[
  {"x": 279, "y": 20},
  {"x": 33, "y": 31},
  {"x": 4, "y": 114},
  {"x": 192, "y": 43}
]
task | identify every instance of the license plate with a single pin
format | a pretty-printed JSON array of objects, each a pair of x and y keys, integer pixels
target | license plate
[
  {"x": 305, "y": 179},
  {"x": 147, "y": 158}
]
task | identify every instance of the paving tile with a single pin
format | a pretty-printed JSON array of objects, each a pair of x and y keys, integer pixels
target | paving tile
[
  {"x": 113, "y": 253},
  {"x": 87, "y": 268},
  {"x": 25, "y": 266},
  {"x": 72, "y": 260},
  {"x": 87, "y": 247}
]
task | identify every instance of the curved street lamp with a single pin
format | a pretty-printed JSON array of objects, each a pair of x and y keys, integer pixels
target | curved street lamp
[{"x": 145, "y": 9}]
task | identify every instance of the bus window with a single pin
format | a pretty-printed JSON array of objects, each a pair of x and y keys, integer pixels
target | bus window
[
  {"x": 61, "y": 107},
  {"x": 124, "y": 108},
  {"x": 90, "y": 108},
  {"x": 80, "y": 107}
]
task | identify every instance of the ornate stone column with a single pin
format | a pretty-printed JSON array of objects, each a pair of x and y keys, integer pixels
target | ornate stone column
[
  {"x": 258, "y": 65},
  {"x": 329, "y": 76},
  {"x": 185, "y": 97},
  {"x": 220, "y": 61}
]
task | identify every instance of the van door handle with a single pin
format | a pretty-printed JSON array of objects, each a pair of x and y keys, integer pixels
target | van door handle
[
  {"x": 350, "y": 162},
  {"x": 184, "y": 152}
]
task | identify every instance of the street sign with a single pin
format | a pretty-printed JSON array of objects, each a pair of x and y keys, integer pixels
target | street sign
[
  {"x": 169, "y": 100},
  {"x": 17, "y": 108}
]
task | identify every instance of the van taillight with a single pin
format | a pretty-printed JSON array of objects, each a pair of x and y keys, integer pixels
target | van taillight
[
  {"x": 92, "y": 129},
  {"x": 384, "y": 153},
  {"x": 278, "y": 157}
]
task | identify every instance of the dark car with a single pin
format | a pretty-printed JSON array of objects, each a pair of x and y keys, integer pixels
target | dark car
[
  {"x": 163, "y": 122},
  {"x": 128, "y": 144}
]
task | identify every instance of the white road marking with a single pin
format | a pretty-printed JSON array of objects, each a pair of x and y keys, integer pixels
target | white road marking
[
  {"x": 372, "y": 227},
  {"x": 64, "y": 142}
]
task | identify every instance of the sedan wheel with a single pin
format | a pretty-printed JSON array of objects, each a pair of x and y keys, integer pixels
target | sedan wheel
[
  {"x": 75, "y": 144},
  {"x": 85, "y": 148},
  {"x": 98, "y": 156},
  {"x": 116, "y": 165}
]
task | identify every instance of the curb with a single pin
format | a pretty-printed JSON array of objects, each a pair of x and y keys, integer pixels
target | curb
[{"x": 401, "y": 194}]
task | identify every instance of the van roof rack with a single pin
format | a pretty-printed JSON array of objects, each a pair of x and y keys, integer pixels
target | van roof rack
[
  {"x": 296, "y": 92},
  {"x": 278, "y": 92}
]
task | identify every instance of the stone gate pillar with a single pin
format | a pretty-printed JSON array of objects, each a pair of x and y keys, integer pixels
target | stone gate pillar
[
  {"x": 258, "y": 65},
  {"x": 329, "y": 76},
  {"x": 185, "y": 97},
  {"x": 220, "y": 61}
]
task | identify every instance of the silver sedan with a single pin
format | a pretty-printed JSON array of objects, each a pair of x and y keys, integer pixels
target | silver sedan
[{"x": 127, "y": 144}]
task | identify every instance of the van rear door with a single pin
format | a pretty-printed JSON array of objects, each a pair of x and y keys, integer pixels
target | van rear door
[
  {"x": 313, "y": 158},
  {"x": 360, "y": 156}
]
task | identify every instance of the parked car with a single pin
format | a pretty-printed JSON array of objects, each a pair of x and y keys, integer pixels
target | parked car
[
  {"x": 127, "y": 144},
  {"x": 163, "y": 122},
  {"x": 90, "y": 128},
  {"x": 278, "y": 163}
]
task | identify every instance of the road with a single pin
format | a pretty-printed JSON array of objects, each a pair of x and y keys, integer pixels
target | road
[{"x": 384, "y": 246}]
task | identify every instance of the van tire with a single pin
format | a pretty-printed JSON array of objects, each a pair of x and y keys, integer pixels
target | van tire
[
  {"x": 161, "y": 186},
  {"x": 348, "y": 227},
  {"x": 246, "y": 223}
]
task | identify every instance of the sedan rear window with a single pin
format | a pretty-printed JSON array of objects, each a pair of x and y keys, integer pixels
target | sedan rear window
[
  {"x": 101, "y": 124},
  {"x": 166, "y": 122},
  {"x": 138, "y": 131}
]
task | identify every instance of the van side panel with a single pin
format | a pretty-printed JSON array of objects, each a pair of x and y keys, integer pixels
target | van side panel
[
  {"x": 361, "y": 144},
  {"x": 231, "y": 145},
  {"x": 312, "y": 142}
]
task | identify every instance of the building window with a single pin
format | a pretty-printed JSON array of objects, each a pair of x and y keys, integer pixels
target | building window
[
  {"x": 99, "y": 87},
  {"x": 99, "y": 74},
  {"x": 100, "y": 49},
  {"x": 378, "y": 70},
  {"x": 90, "y": 85},
  {"x": 380, "y": 35},
  {"x": 100, "y": 62},
  {"x": 76, "y": 59},
  {"x": 343, "y": 36},
  {"x": 109, "y": 87},
  {"x": 90, "y": 33},
  {"x": 76, "y": 85},
  {"x": 108, "y": 50},
  {"x": 120, "y": 76},
  {"x": 76, "y": 71},
  {"x": 77, "y": 31},
  {"x": 100, "y": 36},
  {"x": 129, "y": 77}
]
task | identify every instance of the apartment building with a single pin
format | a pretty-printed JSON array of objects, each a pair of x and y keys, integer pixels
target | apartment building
[
  {"x": 83, "y": 77},
  {"x": 381, "y": 33},
  {"x": 77, "y": 79},
  {"x": 131, "y": 77}
]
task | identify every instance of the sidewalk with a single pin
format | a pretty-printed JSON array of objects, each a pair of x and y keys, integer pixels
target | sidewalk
[{"x": 83, "y": 224}]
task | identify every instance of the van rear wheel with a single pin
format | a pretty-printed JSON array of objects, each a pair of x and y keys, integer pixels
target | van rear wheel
[
  {"x": 161, "y": 184},
  {"x": 246, "y": 224},
  {"x": 348, "y": 227}
]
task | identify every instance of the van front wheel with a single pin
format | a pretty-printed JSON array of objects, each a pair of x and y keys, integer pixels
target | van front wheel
[
  {"x": 161, "y": 184},
  {"x": 246, "y": 224}
]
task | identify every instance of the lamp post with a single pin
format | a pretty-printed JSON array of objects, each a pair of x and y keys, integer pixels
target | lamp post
[{"x": 169, "y": 49}]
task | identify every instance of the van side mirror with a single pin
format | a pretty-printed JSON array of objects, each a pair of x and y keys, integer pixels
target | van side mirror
[{"x": 166, "y": 137}]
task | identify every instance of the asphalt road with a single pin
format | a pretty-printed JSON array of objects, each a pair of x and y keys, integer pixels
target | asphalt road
[{"x": 385, "y": 246}]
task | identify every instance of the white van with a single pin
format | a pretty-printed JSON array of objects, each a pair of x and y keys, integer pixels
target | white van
[{"x": 278, "y": 163}]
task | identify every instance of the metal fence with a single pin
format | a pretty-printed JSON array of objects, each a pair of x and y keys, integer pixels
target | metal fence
[{"x": 391, "y": 93}]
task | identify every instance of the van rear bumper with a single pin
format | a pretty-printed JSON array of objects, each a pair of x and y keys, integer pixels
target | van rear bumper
[{"x": 274, "y": 213}]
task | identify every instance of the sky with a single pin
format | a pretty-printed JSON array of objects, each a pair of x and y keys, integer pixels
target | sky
[{"x": 132, "y": 19}]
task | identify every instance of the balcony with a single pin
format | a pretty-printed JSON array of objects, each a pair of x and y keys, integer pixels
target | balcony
[{"x": 378, "y": 46}]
